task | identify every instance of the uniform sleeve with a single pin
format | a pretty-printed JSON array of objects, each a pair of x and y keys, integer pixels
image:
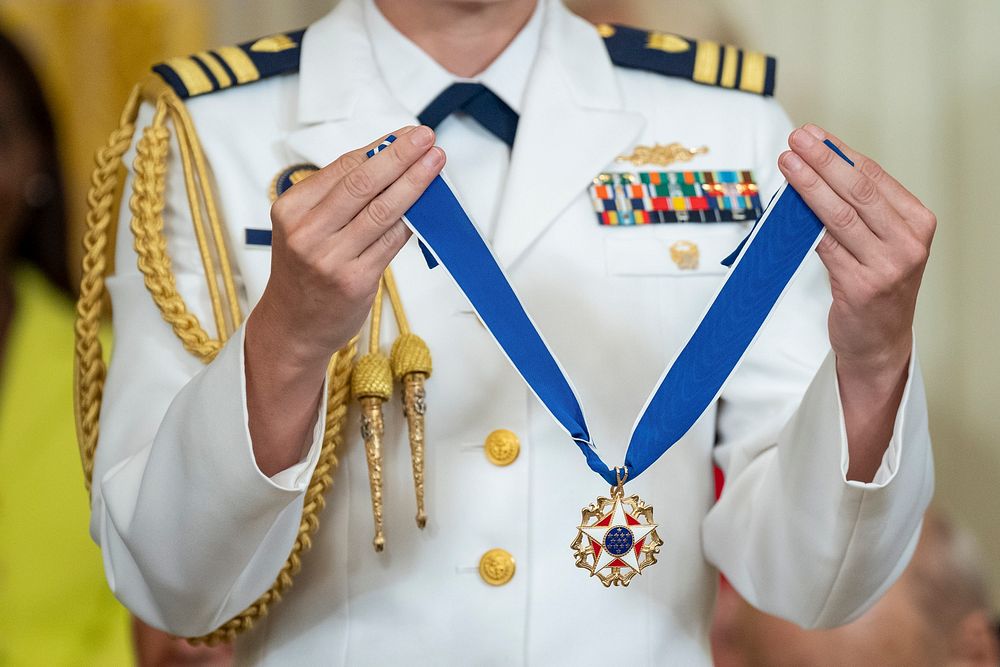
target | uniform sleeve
[
  {"x": 190, "y": 529},
  {"x": 790, "y": 532}
]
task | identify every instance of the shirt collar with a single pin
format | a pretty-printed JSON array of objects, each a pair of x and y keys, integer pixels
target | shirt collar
[{"x": 415, "y": 79}]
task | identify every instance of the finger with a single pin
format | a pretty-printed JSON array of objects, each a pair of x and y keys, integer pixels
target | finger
[
  {"x": 379, "y": 215},
  {"x": 379, "y": 254},
  {"x": 310, "y": 191},
  {"x": 854, "y": 187},
  {"x": 362, "y": 184},
  {"x": 902, "y": 199},
  {"x": 840, "y": 264},
  {"x": 839, "y": 217}
]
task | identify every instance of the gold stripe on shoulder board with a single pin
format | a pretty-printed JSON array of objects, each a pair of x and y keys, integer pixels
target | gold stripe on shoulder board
[
  {"x": 215, "y": 67},
  {"x": 706, "y": 62},
  {"x": 754, "y": 72},
  {"x": 730, "y": 58},
  {"x": 191, "y": 75},
  {"x": 239, "y": 62}
]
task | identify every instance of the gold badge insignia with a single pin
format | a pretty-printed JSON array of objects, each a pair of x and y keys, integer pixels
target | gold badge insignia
[
  {"x": 685, "y": 255},
  {"x": 662, "y": 155},
  {"x": 605, "y": 30},
  {"x": 664, "y": 41},
  {"x": 289, "y": 176},
  {"x": 273, "y": 44}
]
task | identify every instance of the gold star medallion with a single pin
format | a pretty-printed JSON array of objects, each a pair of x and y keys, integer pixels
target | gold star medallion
[{"x": 616, "y": 538}]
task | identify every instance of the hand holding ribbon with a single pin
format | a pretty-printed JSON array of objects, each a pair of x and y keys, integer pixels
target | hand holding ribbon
[
  {"x": 785, "y": 234},
  {"x": 878, "y": 240}
]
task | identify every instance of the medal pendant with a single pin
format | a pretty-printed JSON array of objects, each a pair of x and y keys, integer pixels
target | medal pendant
[{"x": 616, "y": 538}]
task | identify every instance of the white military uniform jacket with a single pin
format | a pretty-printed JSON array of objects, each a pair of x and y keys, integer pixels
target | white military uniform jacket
[{"x": 192, "y": 531}]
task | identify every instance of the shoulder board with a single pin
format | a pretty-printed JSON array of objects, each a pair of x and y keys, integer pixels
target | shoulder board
[
  {"x": 228, "y": 66},
  {"x": 702, "y": 61}
]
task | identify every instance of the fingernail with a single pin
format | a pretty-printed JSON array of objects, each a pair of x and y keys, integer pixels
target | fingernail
[
  {"x": 815, "y": 131},
  {"x": 421, "y": 136},
  {"x": 803, "y": 139},
  {"x": 433, "y": 158},
  {"x": 791, "y": 161}
]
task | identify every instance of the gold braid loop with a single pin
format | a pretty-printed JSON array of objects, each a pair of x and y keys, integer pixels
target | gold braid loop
[
  {"x": 322, "y": 479},
  {"x": 147, "y": 205},
  {"x": 89, "y": 368}
]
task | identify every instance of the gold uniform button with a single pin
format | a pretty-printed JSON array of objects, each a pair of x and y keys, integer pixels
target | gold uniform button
[
  {"x": 502, "y": 447},
  {"x": 496, "y": 567}
]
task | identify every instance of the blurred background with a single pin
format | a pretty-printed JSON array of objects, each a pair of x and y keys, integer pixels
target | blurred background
[{"x": 913, "y": 83}]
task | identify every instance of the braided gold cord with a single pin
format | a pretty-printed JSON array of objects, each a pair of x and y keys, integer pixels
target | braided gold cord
[
  {"x": 389, "y": 280},
  {"x": 322, "y": 479},
  {"x": 146, "y": 205},
  {"x": 186, "y": 131},
  {"x": 206, "y": 248},
  {"x": 89, "y": 368},
  {"x": 410, "y": 354}
]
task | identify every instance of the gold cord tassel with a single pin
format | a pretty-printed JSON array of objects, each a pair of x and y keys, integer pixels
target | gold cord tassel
[
  {"x": 411, "y": 365},
  {"x": 371, "y": 385},
  {"x": 146, "y": 205}
]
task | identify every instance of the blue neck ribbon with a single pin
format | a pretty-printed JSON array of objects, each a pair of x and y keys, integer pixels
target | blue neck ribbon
[{"x": 767, "y": 261}]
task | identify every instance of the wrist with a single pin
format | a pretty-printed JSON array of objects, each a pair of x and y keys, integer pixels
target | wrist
[
  {"x": 881, "y": 370},
  {"x": 270, "y": 330},
  {"x": 871, "y": 390},
  {"x": 283, "y": 392},
  {"x": 875, "y": 379}
]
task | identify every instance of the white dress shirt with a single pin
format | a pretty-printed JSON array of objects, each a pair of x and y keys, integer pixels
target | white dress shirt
[{"x": 477, "y": 160}]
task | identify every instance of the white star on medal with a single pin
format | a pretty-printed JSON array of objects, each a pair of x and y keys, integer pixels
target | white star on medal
[{"x": 598, "y": 536}]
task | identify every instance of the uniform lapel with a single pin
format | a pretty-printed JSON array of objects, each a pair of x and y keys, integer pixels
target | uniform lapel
[
  {"x": 343, "y": 100},
  {"x": 572, "y": 125}
]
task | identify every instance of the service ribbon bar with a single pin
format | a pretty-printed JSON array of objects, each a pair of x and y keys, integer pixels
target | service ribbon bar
[{"x": 662, "y": 197}]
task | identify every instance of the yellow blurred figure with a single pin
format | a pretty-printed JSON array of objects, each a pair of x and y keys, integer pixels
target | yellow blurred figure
[{"x": 55, "y": 608}]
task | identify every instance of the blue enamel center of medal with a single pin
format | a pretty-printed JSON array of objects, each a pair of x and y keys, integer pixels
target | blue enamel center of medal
[{"x": 618, "y": 541}]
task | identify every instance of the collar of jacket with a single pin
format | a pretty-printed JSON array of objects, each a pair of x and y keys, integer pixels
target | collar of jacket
[{"x": 573, "y": 123}]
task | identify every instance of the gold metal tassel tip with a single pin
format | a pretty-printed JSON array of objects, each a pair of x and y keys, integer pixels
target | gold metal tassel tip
[
  {"x": 371, "y": 385},
  {"x": 411, "y": 364}
]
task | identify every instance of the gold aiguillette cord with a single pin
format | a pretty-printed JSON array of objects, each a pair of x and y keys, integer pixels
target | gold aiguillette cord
[
  {"x": 371, "y": 385},
  {"x": 411, "y": 365}
]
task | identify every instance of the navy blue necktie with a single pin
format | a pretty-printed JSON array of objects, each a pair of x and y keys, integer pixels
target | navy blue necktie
[{"x": 480, "y": 103}]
